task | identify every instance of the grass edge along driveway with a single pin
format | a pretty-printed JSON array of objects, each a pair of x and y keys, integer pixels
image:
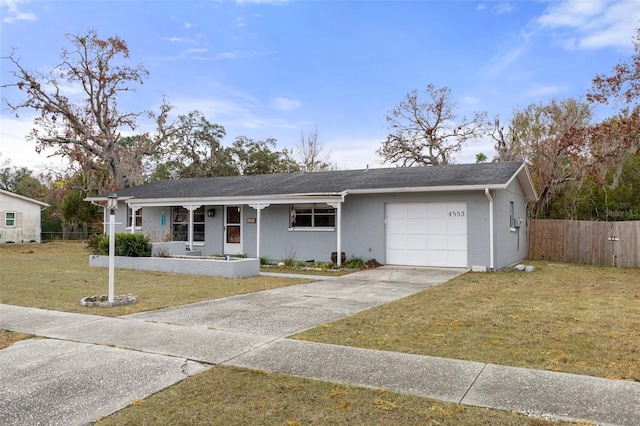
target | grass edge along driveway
[{"x": 570, "y": 318}]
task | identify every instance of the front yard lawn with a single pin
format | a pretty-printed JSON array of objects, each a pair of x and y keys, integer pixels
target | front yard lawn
[
  {"x": 57, "y": 275},
  {"x": 561, "y": 317},
  {"x": 570, "y": 318},
  {"x": 234, "y": 396}
]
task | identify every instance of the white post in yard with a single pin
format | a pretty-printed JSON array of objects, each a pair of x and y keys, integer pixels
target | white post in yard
[{"x": 112, "y": 205}]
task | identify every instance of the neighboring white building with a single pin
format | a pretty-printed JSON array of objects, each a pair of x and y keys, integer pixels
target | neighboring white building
[{"x": 19, "y": 218}]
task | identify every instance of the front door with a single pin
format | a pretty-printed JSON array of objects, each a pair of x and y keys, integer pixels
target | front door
[{"x": 233, "y": 230}]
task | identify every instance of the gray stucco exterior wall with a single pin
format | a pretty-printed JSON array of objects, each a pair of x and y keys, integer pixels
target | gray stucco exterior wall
[{"x": 510, "y": 242}]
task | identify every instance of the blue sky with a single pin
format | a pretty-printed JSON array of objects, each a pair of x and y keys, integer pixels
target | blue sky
[{"x": 276, "y": 68}]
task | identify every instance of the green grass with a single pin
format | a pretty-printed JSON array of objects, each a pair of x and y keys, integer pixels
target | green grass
[
  {"x": 570, "y": 318},
  {"x": 233, "y": 396},
  {"x": 57, "y": 275}
]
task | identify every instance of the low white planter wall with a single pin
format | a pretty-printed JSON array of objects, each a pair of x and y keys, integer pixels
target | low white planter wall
[
  {"x": 233, "y": 268},
  {"x": 168, "y": 248}
]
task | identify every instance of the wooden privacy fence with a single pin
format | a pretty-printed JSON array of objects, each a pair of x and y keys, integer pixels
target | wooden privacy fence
[{"x": 586, "y": 242}]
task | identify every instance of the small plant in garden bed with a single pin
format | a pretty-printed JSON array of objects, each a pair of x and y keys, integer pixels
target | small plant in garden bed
[{"x": 358, "y": 263}]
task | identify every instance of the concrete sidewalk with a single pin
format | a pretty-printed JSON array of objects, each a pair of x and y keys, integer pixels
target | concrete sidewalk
[{"x": 91, "y": 366}]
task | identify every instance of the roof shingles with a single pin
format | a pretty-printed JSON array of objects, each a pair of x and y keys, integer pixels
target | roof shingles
[{"x": 332, "y": 182}]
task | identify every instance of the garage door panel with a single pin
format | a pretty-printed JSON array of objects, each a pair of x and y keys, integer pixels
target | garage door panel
[
  {"x": 416, "y": 242},
  {"x": 396, "y": 257},
  {"x": 396, "y": 226},
  {"x": 437, "y": 242},
  {"x": 457, "y": 242},
  {"x": 457, "y": 259},
  {"x": 397, "y": 242},
  {"x": 437, "y": 210},
  {"x": 416, "y": 226},
  {"x": 416, "y": 258},
  {"x": 457, "y": 226},
  {"x": 437, "y": 258},
  {"x": 437, "y": 226},
  {"x": 427, "y": 234}
]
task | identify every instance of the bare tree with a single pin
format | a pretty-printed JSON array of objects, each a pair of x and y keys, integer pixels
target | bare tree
[
  {"x": 553, "y": 139},
  {"x": 616, "y": 140},
  {"x": 508, "y": 143},
  {"x": 89, "y": 131},
  {"x": 428, "y": 132},
  {"x": 311, "y": 154}
]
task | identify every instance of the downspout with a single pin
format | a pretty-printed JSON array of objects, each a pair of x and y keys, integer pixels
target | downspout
[{"x": 491, "y": 221}]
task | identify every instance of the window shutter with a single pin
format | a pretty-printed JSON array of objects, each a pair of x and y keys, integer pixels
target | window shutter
[
  {"x": 18, "y": 219},
  {"x": 1, "y": 219}
]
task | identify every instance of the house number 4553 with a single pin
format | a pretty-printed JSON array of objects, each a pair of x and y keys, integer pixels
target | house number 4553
[{"x": 456, "y": 213}]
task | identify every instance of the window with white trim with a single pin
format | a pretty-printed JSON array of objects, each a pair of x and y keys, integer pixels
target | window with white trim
[
  {"x": 312, "y": 215},
  {"x": 180, "y": 224},
  {"x": 138, "y": 216},
  {"x": 10, "y": 219}
]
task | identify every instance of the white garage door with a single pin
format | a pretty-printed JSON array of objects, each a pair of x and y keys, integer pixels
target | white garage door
[{"x": 427, "y": 234}]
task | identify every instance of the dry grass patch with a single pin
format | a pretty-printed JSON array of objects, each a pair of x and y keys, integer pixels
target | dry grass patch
[
  {"x": 8, "y": 338},
  {"x": 233, "y": 396},
  {"x": 571, "y": 318},
  {"x": 57, "y": 275}
]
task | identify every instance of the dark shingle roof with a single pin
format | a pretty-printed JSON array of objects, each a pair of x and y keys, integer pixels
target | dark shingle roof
[{"x": 461, "y": 175}]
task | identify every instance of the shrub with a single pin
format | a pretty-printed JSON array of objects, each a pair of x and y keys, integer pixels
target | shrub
[
  {"x": 355, "y": 263},
  {"x": 264, "y": 261},
  {"x": 131, "y": 245},
  {"x": 290, "y": 263}
]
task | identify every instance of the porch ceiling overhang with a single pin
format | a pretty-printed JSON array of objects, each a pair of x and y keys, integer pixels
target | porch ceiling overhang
[{"x": 219, "y": 201}]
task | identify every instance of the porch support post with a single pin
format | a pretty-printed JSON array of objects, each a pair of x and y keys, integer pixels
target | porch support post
[
  {"x": 258, "y": 208},
  {"x": 191, "y": 209},
  {"x": 338, "y": 207},
  {"x": 134, "y": 209}
]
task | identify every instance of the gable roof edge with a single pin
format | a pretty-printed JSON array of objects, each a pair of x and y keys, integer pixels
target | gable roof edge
[
  {"x": 22, "y": 197},
  {"x": 526, "y": 182}
]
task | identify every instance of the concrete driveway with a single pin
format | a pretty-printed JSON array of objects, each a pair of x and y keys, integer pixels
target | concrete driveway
[
  {"x": 285, "y": 311},
  {"x": 90, "y": 366}
]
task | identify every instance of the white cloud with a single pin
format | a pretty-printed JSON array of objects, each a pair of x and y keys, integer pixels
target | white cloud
[
  {"x": 507, "y": 55},
  {"x": 497, "y": 8},
  {"x": 354, "y": 154},
  {"x": 21, "y": 152},
  {"x": 502, "y": 8},
  {"x": 541, "y": 91},
  {"x": 188, "y": 25},
  {"x": 14, "y": 14},
  {"x": 284, "y": 104},
  {"x": 580, "y": 24},
  {"x": 196, "y": 50},
  {"x": 470, "y": 100}
]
